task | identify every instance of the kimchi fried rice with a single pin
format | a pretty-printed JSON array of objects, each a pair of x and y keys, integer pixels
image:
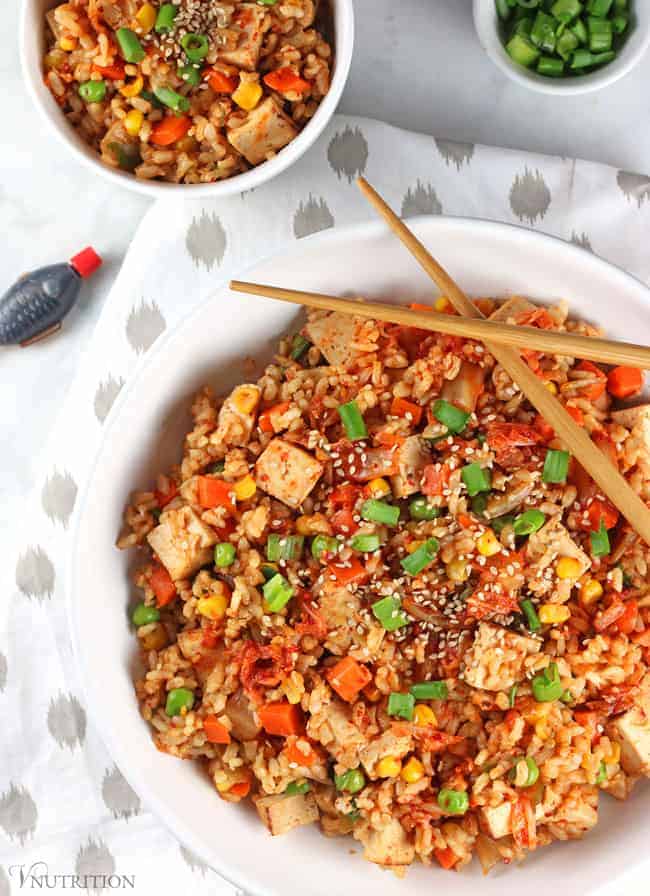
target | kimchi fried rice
[
  {"x": 377, "y": 594},
  {"x": 190, "y": 91}
]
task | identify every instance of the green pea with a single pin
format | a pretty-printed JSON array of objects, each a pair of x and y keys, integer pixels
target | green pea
[
  {"x": 453, "y": 802},
  {"x": 92, "y": 91},
  {"x": 143, "y": 615},
  {"x": 177, "y": 700},
  {"x": 351, "y": 781}
]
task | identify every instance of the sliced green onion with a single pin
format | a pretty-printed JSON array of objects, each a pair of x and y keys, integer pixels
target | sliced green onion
[
  {"x": 351, "y": 781},
  {"x": 453, "y": 802},
  {"x": 528, "y": 522},
  {"x": 268, "y": 571},
  {"x": 430, "y": 690},
  {"x": 171, "y": 99},
  {"x": 600, "y": 546},
  {"x": 556, "y": 466},
  {"x": 417, "y": 561},
  {"x": 551, "y": 67},
  {"x": 601, "y": 777},
  {"x": 450, "y": 416},
  {"x": 504, "y": 9},
  {"x": 92, "y": 91},
  {"x": 190, "y": 74},
  {"x": 585, "y": 59},
  {"x": 284, "y": 547},
  {"x": 420, "y": 509},
  {"x": 277, "y": 593},
  {"x": 542, "y": 34},
  {"x": 524, "y": 26},
  {"x": 353, "y": 422},
  {"x": 143, "y": 615},
  {"x": 376, "y": 511},
  {"x": 218, "y": 467},
  {"x": 299, "y": 346},
  {"x": 566, "y": 10},
  {"x": 196, "y": 46},
  {"x": 533, "y": 771},
  {"x": 401, "y": 705},
  {"x": 165, "y": 18},
  {"x": 324, "y": 544},
  {"x": 500, "y": 522},
  {"x": 131, "y": 48},
  {"x": 529, "y": 611},
  {"x": 476, "y": 479},
  {"x": 522, "y": 51},
  {"x": 599, "y": 7},
  {"x": 547, "y": 685},
  {"x": 566, "y": 44},
  {"x": 479, "y": 504},
  {"x": 619, "y": 24},
  {"x": 601, "y": 34},
  {"x": 179, "y": 699},
  {"x": 512, "y": 695},
  {"x": 388, "y": 611},
  {"x": 295, "y": 787},
  {"x": 567, "y": 696},
  {"x": 224, "y": 554},
  {"x": 365, "y": 544},
  {"x": 580, "y": 30}
]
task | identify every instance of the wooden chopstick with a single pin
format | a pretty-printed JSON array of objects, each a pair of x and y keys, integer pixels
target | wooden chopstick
[
  {"x": 602, "y": 471},
  {"x": 549, "y": 341}
]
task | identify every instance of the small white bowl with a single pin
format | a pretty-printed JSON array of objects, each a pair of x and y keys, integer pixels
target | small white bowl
[
  {"x": 32, "y": 48},
  {"x": 487, "y": 23}
]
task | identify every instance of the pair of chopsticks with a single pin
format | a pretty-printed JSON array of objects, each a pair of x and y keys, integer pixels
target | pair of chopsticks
[{"x": 501, "y": 341}]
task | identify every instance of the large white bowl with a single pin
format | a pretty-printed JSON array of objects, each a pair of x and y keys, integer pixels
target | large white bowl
[
  {"x": 32, "y": 43},
  {"x": 144, "y": 433}
]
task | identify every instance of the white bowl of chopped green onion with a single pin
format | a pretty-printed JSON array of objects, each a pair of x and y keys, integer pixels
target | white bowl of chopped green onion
[{"x": 564, "y": 46}]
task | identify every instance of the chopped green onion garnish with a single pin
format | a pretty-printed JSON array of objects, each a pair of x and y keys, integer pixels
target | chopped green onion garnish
[
  {"x": 295, "y": 787},
  {"x": 500, "y": 522},
  {"x": 324, "y": 544},
  {"x": 580, "y": 30},
  {"x": 566, "y": 45},
  {"x": 196, "y": 46},
  {"x": 600, "y": 546},
  {"x": 389, "y": 612},
  {"x": 365, "y": 544},
  {"x": 131, "y": 48},
  {"x": 92, "y": 91},
  {"x": 542, "y": 33},
  {"x": 476, "y": 479},
  {"x": 224, "y": 554},
  {"x": 375, "y": 511},
  {"x": 512, "y": 695},
  {"x": 401, "y": 705},
  {"x": 521, "y": 50},
  {"x": 528, "y": 522},
  {"x": 567, "y": 696},
  {"x": 601, "y": 777},
  {"x": 550, "y": 67},
  {"x": 566, "y": 10},
  {"x": 277, "y": 593},
  {"x": 619, "y": 24},
  {"x": 171, "y": 99},
  {"x": 453, "y": 802},
  {"x": 479, "y": 504},
  {"x": 601, "y": 34},
  {"x": 165, "y": 18},
  {"x": 268, "y": 571},
  {"x": 353, "y": 422},
  {"x": 547, "y": 685},
  {"x": 450, "y": 416},
  {"x": 284, "y": 547},
  {"x": 430, "y": 690},
  {"x": 529, "y": 611},
  {"x": 420, "y": 509},
  {"x": 190, "y": 74},
  {"x": 533, "y": 771},
  {"x": 556, "y": 466},
  {"x": 299, "y": 346},
  {"x": 599, "y": 7},
  {"x": 417, "y": 561},
  {"x": 351, "y": 781}
]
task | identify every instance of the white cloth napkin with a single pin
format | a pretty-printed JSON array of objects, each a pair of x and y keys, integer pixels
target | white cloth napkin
[{"x": 65, "y": 809}]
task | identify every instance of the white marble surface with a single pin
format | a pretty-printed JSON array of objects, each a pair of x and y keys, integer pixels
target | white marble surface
[{"x": 417, "y": 65}]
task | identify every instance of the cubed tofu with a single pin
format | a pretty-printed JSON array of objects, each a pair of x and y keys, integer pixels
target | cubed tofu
[
  {"x": 632, "y": 730},
  {"x": 287, "y": 472},
  {"x": 389, "y": 847},
  {"x": 334, "y": 334},
  {"x": 237, "y": 416},
  {"x": 182, "y": 542},
  {"x": 551, "y": 542},
  {"x": 247, "y": 23},
  {"x": 496, "y": 820},
  {"x": 387, "y": 744},
  {"x": 264, "y": 131},
  {"x": 282, "y": 813},
  {"x": 495, "y": 661},
  {"x": 203, "y": 658},
  {"x": 637, "y": 420},
  {"x": 512, "y": 308},
  {"x": 412, "y": 457}
]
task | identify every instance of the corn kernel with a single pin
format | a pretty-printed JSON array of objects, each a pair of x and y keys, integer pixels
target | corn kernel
[
  {"x": 552, "y": 388},
  {"x": 378, "y": 488},
  {"x": 316, "y": 524},
  {"x": 424, "y": 715},
  {"x": 244, "y": 488},
  {"x": 388, "y": 767},
  {"x": 488, "y": 544},
  {"x": 133, "y": 88},
  {"x": 413, "y": 546},
  {"x": 213, "y": 607},
  {"x": 146, "y": 18},
  {"x": 68, "y": 44},
  {"x": 246, "y": 399},
  {"x": 247, "y": 95},
  {"x": 615, "y": 756},
  {"x": 590, "y": 592},
  {"x": 568, "y": 568},
  {"x": 549, "y": 614},
  {"x": 133, "y": 122},
  {"x": 413, "y": 771},
  {"x": 441, "y": 304},
  {"x": 458, "y": 571}
]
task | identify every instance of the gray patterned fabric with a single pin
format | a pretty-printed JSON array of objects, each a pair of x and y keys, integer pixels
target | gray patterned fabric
[{"x": 62, "y": 800}]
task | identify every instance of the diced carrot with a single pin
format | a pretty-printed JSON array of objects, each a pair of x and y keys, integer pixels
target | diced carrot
[
  {"x": 435, "y": 479},
  {"x": 602, "y": 511},
  {"x": 297, "y": 754},
  {"x": 285, "y": 80},
  {"x": 403, "y": 408},
  {"x": 343, "y": 522},
  {"x": 389, "y": 439},
  {"x": 593, "y": 391},
  {"x": 545, "y": 429},
  {"x": 281, "y": 719},
  {"x": 626, "y": 623},
  {"x": 416, "y": 306},
  {"x": 215, "y": 731},
  {"x": 624, "y": 382},
  {"x": 464, "y": 520},
  {"x": 163, "y": 498},
  {"x": 348, "y": 678},
  {"x": 170, "y": 129},
  {"x": 215, "y": 493},
  {"x": 162, "y": 585},
  {"x": 349, "y": 572},
  {"x": 240, "y": 790},
  {"x": 576, "y": 414},
  {"x": 446, "y": 857},
  {"x": 113, "y": 72},
  {"x": 220, "y": 82},
  {"x": 264, "y": 420},
  {"x": 344, "y": 495}
]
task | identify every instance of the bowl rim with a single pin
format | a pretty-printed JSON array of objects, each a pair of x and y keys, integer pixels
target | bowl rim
[
  {"x": 365, "y": 230},
  {"x": 343, "y": 14},
  {"x": 573, "y": 86}
]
